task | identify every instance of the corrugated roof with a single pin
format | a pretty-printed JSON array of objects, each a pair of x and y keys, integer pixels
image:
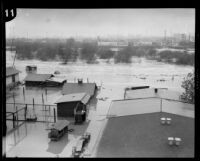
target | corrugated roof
[
  {"x": 70, "y": 88},
  {"x": 60, "y": 124},
  {"x": 83, "y": 97},
  {"x": 37, "y": 77},
  {"x": 11, "y": 71}
]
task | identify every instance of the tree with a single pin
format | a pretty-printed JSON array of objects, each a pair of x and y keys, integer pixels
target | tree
[
  {"x": 124, "y": 55},
  {"x": 188, "y": 85},
  {"x": 88, "y": 52}
]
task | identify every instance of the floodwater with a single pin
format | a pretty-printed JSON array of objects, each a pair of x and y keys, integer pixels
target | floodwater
[{"x": 112, "y": 78}]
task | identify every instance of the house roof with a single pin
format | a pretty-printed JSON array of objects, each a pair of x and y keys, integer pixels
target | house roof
[
  {"x": 60, "y": 124},
  {"x": 70, "y": 88},
  {"x": 11, "y": 71},
  {"x": 144, "y": 136},
  {"x": 37, "y": 77},
  {"x": 83, "y": 97}
]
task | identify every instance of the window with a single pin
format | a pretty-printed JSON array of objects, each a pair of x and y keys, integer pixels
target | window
[{"x": 13, "y": 78}]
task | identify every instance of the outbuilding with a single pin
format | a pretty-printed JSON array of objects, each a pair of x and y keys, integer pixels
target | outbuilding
[
  {"x": 72, "y": 105},
  {"x": 37, "y": 79},
  {"x": 12, "y": 77},
  {"x": 80, "y": 87}
]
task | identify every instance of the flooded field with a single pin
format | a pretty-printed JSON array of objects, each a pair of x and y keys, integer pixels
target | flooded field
[{"x": 112, "y": 78}]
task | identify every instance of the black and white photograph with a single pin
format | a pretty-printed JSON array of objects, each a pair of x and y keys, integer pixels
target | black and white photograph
[{"x": 99, "y": 83}]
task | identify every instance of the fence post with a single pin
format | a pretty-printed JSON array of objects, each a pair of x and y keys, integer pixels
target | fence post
[
  {"x": 17, "y": 114},
  {"x": 46, "y": 93},
  {"x": 25, "y": 112},
  {"x": 13, "y": 120},
  {"x": 42, "y": 102},
  {"x": 33, "y": 104},
  {"x": 54, "y": 110},
  {"x": 14, "y": 99},
  {"x": 24, "y": 94}
]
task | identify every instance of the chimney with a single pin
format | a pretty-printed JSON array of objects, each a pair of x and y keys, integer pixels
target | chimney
[{"x": 80, "y": 81}]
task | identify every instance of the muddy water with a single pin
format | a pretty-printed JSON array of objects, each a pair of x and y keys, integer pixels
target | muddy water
[{"x": 140, "y": 72}]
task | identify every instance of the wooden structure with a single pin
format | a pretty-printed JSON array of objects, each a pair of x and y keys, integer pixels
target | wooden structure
[
  {"x": 12, "y": 77},
  {"x": 80, "y": 87},
  {"x": 31, "y": 69},
  {"x": 37, "y": 79},
  {"x": 73, "y": 105},
  {"x": 55, "y": 81},
  {"x": 58, "y": 130}
]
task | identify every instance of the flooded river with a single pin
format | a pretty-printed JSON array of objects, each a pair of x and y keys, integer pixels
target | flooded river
[
  {"x": 140, "y": 72},
  {"x": 112, "y": 78}
]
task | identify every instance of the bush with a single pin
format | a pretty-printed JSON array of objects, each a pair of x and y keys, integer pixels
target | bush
[{"x": 188, "y": 85}]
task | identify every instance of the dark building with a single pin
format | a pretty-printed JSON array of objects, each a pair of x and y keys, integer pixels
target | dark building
[
  {"x": 80, "y": 87},
  {"x": 72, "y": 104}
]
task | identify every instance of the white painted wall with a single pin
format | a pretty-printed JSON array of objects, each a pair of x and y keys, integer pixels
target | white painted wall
[{"x": 8, "y": 80}]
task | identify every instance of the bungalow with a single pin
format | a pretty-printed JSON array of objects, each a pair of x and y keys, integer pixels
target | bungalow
[
  {"x": 12, "y": 77},
  {"x": 80, "y": 87},
  {"x": 73, "y": 105}
]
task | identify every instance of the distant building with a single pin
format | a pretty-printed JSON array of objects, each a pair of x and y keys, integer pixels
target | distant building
[
  {"x": 112, "y": 43},
  {"x": 133, "y": 127},
  {"x": 180, "y": 37},
  {"x": 72, "y": 104},
  {"x": 12, "y": 77}
]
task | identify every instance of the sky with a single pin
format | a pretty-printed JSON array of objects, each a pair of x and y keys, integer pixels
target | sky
[{"x": 42, "y": 23}]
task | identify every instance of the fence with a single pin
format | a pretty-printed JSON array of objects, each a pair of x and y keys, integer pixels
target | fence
[{"x": 19, "y": 112}]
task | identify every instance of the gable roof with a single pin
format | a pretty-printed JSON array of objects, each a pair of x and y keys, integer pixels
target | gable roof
[
  {"x": 38, "y": 77},
  {"x": 83, "y": 97},
  {"x": 11, "y": 71},
  {"x": 70, "y": 88}
]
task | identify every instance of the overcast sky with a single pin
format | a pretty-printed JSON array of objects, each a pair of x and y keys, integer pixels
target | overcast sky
[{"x": 100, "y": 22}]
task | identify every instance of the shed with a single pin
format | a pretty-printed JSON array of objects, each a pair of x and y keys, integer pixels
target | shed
[
  {"x": 37, "y": 79},
  {"x": 80, "y": 87},
  {"x": 58, "y": 129},
  {"x": 12, "y": 76},
  {"x": 31, "y": 69},
  {"x": 69, "y": 105}
]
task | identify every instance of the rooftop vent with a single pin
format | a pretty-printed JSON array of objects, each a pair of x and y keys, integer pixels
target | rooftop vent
[
  {"x": 80, "y": 81},
  {"x": 156, "y": 90}
]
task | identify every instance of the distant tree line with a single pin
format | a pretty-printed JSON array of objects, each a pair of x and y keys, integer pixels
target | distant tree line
[{"x": 70, "y": 50}]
